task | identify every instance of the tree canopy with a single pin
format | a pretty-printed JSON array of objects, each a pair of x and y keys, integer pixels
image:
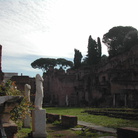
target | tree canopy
[
  {"x": 94, "y": 51},
  {"x": 77, "y": 58},
  {"x": 131, "y": 39},
  {"x": 114, "y": 39},
  {"x": 63, "y": 63},
  {"x": 46, "y": 63}
]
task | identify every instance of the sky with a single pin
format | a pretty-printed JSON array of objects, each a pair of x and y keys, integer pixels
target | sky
[{"x": 32, "y": 29}]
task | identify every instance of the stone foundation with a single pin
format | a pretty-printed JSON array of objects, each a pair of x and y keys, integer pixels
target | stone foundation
[
  {"x": 10, "y": 129},
  {"x": 68, "y": 121},
  {"x": 52, "y": 117},
  {"x": 127, "y": 132},
  {"x": 39, "y": 123}
]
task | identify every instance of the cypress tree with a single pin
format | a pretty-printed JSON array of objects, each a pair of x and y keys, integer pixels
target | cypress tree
[
  {"x": 99, "y": 48},
  {"x": 92, "y": 51},
  {"x": 77, "y": 58}
]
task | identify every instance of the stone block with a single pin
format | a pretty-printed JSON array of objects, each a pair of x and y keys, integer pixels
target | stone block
[
  {"x": 127, "y": 132},
  {"x": 10, "y": 129},
  {"x": 26, "y": 122},
  {"x": 69, "y": 121},
  {"x": 39, "y": 123},
  {"x": 52, "y": 117}
]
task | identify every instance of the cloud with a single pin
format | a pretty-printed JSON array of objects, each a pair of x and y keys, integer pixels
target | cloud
[
  {"x": 30, "y": 29},
  {"x": 20, "y": 65}
]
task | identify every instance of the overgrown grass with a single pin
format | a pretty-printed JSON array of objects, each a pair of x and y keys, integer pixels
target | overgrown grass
[
  {"x": 95, "y": 119},
  {"x": 23, "y": 133}
]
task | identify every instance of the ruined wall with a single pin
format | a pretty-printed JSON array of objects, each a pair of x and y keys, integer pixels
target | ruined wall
[
  {"x": 122, "y": 76},
  {"x": 58, "y": 86},
  {"x": 65, "y": 89},
  {"x": 111, "y": 84}
]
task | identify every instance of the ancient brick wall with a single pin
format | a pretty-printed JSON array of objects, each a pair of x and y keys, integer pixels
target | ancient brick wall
[{"x": 102, "y": 84}]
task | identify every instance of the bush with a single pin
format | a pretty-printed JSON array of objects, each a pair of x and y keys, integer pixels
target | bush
[{"x": 19, "y": 112}]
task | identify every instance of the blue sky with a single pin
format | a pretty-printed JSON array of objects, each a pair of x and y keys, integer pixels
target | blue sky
[{"x": 31, "y": 29}]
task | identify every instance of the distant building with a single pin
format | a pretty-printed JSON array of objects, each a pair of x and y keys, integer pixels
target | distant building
[
  {"x": 20, "y": 82},
  {"x": 8, "y": 75}
]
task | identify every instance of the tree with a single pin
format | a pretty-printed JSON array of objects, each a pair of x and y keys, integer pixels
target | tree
[
  {"x": 77, "y": 58},
  {"x": 130, "y": 39},
  {"x": 104, "y": 59},
  {"x": 63, "y": 63},
  {"x": 46, "y": 63},
  {"x": 114, "y": 39},
  {"x": 99, "y": 48},
  {"x": 94, "y": 51}
]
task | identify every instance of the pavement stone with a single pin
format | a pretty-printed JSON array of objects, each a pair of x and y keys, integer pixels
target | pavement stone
[
  {"x": 97, "y": 128},
  {"x": 108, "y": 137}
]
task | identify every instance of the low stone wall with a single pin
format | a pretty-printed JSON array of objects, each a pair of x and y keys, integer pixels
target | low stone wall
[
  {"x": 127, "y": 132},
  {"x": 10, "y": 129},
  {"x": 52, "y": 117},
  {"x": 68, "y": 121}
]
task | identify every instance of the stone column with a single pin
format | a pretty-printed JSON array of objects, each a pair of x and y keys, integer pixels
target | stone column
[
  {"x": 114, "y": 100},
  {"x": 125, "y": 100},
  {"x": 67, "y": 100},
  {"x": 0, "y": 56},
  {"x": 39, "y": 114},
  {"x": 39, "y": 123},
  {"x": 27, "y": 119}
]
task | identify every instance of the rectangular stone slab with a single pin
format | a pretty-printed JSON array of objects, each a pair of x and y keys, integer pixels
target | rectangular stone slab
[{"x": 39, "y": 123}]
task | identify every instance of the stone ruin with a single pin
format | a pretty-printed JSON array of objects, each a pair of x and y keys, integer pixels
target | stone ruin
[
  {"x": 109, "y": 84},
  {"x": 7, "y": 127}
]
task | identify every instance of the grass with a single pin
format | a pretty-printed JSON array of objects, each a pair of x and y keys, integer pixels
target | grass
[
  {"x": 59, "y": 135},
  {"x": 93, "y": 134},
  {"x": 95, "y": 119},
  {"x": 23, "y": 133}
]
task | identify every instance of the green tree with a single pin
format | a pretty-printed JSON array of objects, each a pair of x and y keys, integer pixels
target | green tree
[
  {"x": 114, "y": 39},
  {"x": 104, "y": 59},
  {"x": 99, "y": 48},
  {"x": 46, "y": 63},
  {"x": 131, "y": 39},
  {"x": 63, "y": 63},
  {"x": 77, "y": 58},
  {"x": 94, "y": 51}
]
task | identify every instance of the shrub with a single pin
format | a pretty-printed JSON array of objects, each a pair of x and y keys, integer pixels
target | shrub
[{"x": 9, "y": 88}]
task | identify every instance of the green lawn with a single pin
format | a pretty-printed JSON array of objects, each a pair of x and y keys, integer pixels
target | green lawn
[{"x": 95, "y": 119}]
